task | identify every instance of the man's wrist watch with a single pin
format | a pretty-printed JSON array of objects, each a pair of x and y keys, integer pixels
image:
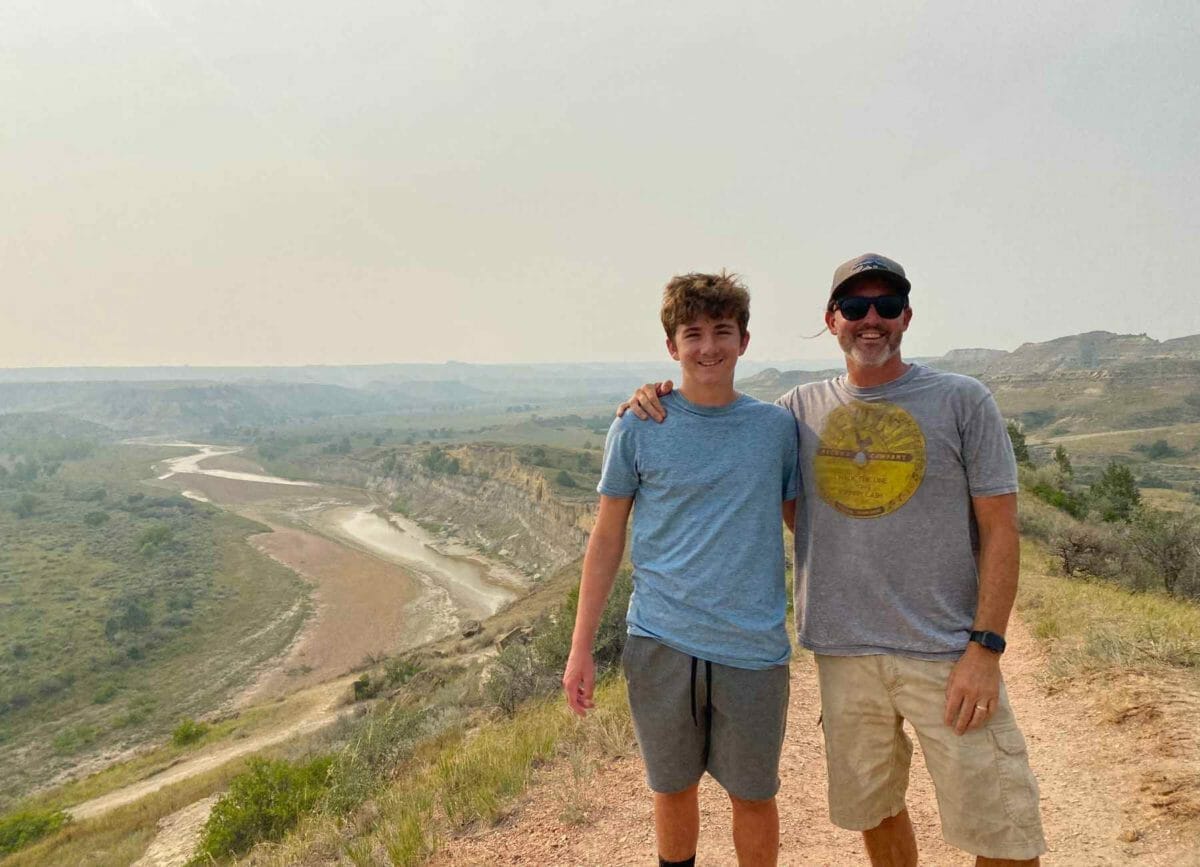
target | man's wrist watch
[{"x": 990, "y": 640}]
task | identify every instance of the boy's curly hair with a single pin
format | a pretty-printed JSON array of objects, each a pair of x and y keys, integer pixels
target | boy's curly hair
[{"x": 718, "y": 296}]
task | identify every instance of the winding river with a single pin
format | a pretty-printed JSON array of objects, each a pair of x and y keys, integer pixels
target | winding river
[{"x": 446, "y": 589}]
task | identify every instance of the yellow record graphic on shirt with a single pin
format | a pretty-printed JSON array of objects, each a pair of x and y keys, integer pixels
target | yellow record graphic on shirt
[{"x": 871, "y": 459}]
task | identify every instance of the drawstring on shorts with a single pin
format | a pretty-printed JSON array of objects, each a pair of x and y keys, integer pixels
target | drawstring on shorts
[{"x": 707, "y": 703}]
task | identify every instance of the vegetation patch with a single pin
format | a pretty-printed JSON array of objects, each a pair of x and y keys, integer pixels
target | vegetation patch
[
  {"x": 188, "y": 732},
  {"x": 1090, "y": 626},
  {"x": 113, "y": 626},
  {"x": 262, "y": 804},
  {"x": 18, "y": 830}
]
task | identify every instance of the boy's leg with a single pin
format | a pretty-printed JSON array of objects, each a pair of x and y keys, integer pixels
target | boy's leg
[
  {"x": 748, "y": 717},
  {"x": 677, "y": 823},
  {"x": 755, "y": 832},
  {"x": 662, "y": 701}
]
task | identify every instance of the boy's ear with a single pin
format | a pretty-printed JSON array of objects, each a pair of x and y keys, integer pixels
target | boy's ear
[
  {"x": 671, "y": 348},
  {"x": 745, "y": 342}
]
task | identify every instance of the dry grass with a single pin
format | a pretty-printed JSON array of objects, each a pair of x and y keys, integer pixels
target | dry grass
[
  {"x": 160, "y": 758},
  {"x": 119, "y": 838},
  {"x": 1134, "y": 657},
  {"x": 466, "y": 780},
  {"x": 1092, "y": 626}
]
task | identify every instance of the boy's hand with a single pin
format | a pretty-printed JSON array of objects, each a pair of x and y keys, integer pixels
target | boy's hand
[
  {"x": 645, "y": 401},
  {"x": 578, "y": 681}
]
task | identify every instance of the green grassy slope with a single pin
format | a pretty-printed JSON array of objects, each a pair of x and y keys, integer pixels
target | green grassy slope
[{"x": 121, "y": 610}]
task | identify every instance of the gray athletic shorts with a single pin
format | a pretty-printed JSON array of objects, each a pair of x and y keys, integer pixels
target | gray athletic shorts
[{"x": 693, "y": 716}]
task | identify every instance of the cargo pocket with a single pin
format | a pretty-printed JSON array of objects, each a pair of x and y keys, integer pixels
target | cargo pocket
[{"x": 1018, "y": 788}]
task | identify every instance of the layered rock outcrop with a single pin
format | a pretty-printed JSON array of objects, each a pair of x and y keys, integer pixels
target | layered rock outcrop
[{"x": 492, "y": 501}]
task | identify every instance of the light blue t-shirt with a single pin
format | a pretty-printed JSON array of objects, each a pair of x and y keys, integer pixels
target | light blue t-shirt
[{"x": 708, "y": 486}]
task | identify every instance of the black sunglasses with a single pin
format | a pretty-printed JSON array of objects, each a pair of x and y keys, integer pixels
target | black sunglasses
[{"x": 855, "y": 307}]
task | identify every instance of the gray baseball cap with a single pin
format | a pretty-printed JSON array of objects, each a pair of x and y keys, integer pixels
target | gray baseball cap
[{"x": 873, "y": 264}]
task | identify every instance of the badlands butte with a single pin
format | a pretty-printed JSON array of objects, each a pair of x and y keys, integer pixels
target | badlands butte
[{"x": 371, "y": 568}]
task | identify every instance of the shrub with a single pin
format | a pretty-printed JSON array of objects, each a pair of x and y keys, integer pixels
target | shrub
[
  {"x": 517, "y": 676},
  {"x": 1051, "y": 485},
  {"x": 1088, "y": 550},
  {"x": 365, "y": 688},
  {"x": 18, "y": 830},
  {"x": 564, "y": 480},
  {"x": 188, "y": 732},
  {"x": 1017, "y": 437},
  {"x": 153, "y": 538},
  {"x": 523, "y": 671},
  {"x": 379, "y": 743},
  {"x": 73, "y": 740},
  {"x": 1063, "y": 461},
  {"x": 96, "y": 518},
  {"x": 1169, "y": 542},
  {"x": 264, "y": 803},
  {"x": 439, "y": 463},
  {"x": 397, "y": 672},
  {"x": 1115, "y": 494},
  {"x": 25, "y": 506},
  {"x": 552, "y": 640},
  {"x": 1157, "y": 450},
  {"x": 1038, "y": 520}
]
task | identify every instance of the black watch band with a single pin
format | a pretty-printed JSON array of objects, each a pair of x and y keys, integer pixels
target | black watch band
[{"x": 990, "y": 640}]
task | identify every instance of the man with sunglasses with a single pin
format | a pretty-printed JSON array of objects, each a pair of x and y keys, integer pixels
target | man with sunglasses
[{"x": 907, "y": 555}]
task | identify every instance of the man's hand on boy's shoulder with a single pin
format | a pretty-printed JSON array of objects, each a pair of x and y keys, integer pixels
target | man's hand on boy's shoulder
[
  {"x": 579, "y": 681},
  {"x": 645, "y": 401}
]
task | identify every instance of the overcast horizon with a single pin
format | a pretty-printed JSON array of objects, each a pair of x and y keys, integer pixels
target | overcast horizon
[{"x": 293, "y": 184}]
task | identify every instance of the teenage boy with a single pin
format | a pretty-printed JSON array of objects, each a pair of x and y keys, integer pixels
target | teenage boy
[{"x": 707, "y": 652}]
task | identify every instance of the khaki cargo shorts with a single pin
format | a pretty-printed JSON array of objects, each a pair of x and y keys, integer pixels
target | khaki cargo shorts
[{"x": 986, "y": 793}]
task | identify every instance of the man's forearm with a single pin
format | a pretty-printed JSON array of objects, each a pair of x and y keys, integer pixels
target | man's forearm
[
  {"x": 999, "y": 567},
  {"x": 600, "y": 566}
]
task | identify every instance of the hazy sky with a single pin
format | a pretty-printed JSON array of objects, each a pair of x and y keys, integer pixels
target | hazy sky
[{"x": 218, "y": 182}]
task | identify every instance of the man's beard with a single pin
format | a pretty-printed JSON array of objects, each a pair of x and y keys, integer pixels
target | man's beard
[{"x": 871, "y": 356}]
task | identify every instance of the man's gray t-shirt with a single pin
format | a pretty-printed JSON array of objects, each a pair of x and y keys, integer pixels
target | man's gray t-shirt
[
  {"x": 886, "y": 541},
  {"x": 708, "y": 486}
]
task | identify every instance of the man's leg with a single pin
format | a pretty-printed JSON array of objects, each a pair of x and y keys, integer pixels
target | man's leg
[
  {"x": 867, "y": 755},
  {"x": 987, "y": 795},
  {"x": 677, "y": 824},
  {"x": 755, "y": 832},
  {"x": 892, "y": 843}
]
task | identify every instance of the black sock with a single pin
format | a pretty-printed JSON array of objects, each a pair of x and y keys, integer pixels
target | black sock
[{"x": 686, "y": 862}]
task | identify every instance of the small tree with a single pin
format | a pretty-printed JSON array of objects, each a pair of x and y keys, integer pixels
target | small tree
[
  {"x": 188, "y": 732},
  {"x": 1170, "y": 543},
  {"x": 25, "y": 506},
  {"x": 1115, "y": 495},
  {"x": 564, "y": 480},
  {"x": 1064, "y": 462},
  {"x": 1087, "y": 550},
  {"x": 1017, "y": 437}
]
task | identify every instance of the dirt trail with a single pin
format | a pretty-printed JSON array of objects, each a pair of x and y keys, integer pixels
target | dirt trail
[
  {"x": 1103, "y": 795},
  {"x": 321, "y": 712},
  {"x": 1066, "y": 438}
]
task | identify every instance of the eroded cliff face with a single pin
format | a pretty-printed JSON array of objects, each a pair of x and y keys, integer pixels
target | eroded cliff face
[{"x": 492, "y": 502}]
